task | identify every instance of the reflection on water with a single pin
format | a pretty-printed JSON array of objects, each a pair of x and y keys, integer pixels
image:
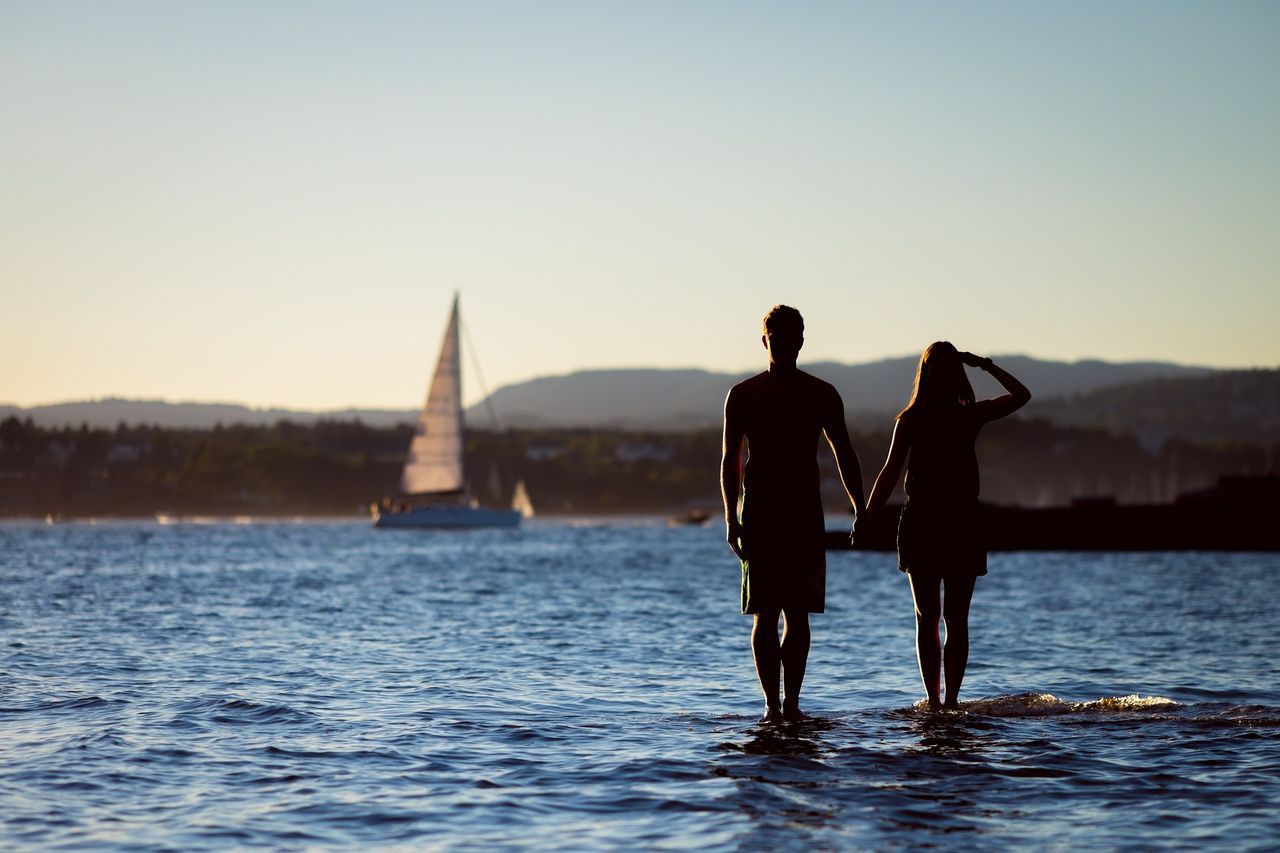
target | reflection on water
[
  {"x": 783, "y": 777},
  {"x": 951, "y": 735},
  {"x": 887, "y": 774},
  {"x": 795, "y": 739}
]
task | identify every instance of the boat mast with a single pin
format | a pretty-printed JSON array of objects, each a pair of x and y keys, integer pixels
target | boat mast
[{"x": 455, "y": 329}]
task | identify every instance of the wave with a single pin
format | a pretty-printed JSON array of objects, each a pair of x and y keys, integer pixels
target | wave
[
  {"x": 1131, "y": 706},
  {"x": 1048, "y": 705},
  {"x": 237, "y": 711},
  {"x": 76, "y": 704}
]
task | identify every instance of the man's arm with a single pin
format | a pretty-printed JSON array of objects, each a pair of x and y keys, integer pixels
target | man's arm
[
  {"x": 837, "y": 431},
  {"x": 731, "y": 470}
]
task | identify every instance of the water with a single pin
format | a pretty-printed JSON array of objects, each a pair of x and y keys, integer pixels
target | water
[{"x": 317, "y": 684}]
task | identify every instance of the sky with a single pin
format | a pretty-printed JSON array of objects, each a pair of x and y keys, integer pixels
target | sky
[{"x": 273, "y": 203}]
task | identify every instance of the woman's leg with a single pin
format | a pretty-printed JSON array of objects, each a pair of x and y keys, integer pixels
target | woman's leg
[
  {"x": 955, "y": 612},
  {"x": 924, "y": 592}
]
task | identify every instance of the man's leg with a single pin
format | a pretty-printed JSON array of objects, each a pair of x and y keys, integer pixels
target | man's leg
[
  {"x": 764, "y": 645},
  {"x": 924, "y": 591},
  {"x": 795, "y": 653},
  {"x": 955, "y": 654}
]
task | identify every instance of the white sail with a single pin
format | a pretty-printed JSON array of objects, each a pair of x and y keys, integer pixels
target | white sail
[
  {"x": 520, "y": 501},
  {"x": 434, "y": 464}
]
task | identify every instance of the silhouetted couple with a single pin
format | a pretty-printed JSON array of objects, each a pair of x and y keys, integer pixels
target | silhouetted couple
[{"x": 780, "y": 415}]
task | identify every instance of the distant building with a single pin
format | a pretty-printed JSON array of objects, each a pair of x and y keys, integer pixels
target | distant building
[
  {"x": 539, "y": 452},
  {"x": 59, "y": 452},
  {"x": 123, "y": 451},
  {"x": 634, "y": 452}
]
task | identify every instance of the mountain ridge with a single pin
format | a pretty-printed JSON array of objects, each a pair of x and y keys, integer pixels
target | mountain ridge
[
  {"x": 658, "y": 398},
  {"x": 666, "y": 399},
  {"x": 655, "y": 398}
]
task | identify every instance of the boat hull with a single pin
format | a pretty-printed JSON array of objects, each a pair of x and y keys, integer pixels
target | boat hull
[{"x": 447, "y": 518}]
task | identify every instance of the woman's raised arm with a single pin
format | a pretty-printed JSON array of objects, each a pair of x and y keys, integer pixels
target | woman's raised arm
[{"x": 1006, "y": 405}]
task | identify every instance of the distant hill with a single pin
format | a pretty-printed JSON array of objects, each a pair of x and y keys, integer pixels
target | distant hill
[
  {"x": 683, "y": 399},
  {"x": 110, "y": 411},
  {"x": 1227, "y": 406}
]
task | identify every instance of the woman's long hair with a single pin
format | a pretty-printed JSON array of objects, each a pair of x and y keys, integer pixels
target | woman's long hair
[{"x": 941, "y": 382}]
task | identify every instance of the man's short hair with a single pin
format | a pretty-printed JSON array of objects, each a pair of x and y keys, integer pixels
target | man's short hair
[{"x": 784, "y": 319}]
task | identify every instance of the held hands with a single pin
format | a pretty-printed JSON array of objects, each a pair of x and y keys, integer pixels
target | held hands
[
  {"x": 977, "y": 361},
  {"x": 857, "y": 532},
  {"x": 733, "y": 535}
]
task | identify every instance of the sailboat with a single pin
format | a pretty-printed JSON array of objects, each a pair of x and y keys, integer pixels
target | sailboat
[{"x": 433, "y": 484}]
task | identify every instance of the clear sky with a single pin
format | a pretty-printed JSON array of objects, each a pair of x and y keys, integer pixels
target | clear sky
[{"x": 272, "y": 202}]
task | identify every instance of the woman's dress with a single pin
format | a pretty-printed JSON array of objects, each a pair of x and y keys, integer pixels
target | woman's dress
[{"x": 940, "y": 531}]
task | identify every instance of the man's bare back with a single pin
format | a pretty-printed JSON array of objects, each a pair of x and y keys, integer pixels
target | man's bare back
[
  {"x": 779, "y": 416},
  {"x": 783, "y": 415}
]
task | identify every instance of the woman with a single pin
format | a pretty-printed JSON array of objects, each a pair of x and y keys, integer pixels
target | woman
[{"x": 940, "y": 542}]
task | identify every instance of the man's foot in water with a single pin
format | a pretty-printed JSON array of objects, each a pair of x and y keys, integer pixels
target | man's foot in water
[
  {"x": 772, "y": 715},
  {"x": 793, "y": 714}
]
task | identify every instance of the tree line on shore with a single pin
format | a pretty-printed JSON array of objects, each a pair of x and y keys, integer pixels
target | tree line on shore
[{"x": 339, "y": 467}]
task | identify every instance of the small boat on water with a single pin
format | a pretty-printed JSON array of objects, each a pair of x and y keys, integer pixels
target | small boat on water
[
  {"x": 433, "y": 484},
  {"x": 695, "y": 517}
]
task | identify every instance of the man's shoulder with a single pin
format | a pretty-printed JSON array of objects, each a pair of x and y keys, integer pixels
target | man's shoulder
[
  {"x": 750, "y": 384},
  {"x": 819, "y": 386}
]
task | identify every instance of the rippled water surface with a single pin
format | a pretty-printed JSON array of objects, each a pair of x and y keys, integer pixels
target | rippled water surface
[{"x": 329, "y": 684}]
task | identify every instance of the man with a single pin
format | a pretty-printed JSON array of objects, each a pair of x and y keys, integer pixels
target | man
[{"x": 779, "y": 539}]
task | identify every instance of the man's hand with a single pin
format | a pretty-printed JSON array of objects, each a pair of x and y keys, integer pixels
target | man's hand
[{"x": 733, "y": 535}]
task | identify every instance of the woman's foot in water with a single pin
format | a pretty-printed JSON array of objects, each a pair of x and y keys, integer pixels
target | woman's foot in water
[{"x": 772, "y": 715}]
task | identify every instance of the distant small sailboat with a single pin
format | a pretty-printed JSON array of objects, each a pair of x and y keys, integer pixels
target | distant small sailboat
[
  {"x": 433, "y": 484},
  {"x": 521, "y": 501}
]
